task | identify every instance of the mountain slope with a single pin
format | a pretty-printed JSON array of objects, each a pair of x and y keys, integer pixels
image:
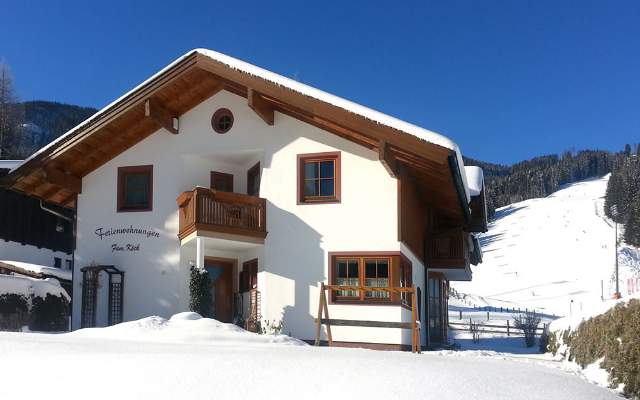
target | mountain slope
[
  {"x": 46, "y": 120},
  {"x": 551, "y": 254}
]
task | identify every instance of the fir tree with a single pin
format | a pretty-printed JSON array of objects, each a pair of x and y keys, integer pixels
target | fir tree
[{"x": 632, "y": 225}]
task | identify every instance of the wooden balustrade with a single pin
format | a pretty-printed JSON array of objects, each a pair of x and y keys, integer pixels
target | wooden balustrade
[
  {"x": 209, "y": 210},
  {"x": 448, "y": 250}
]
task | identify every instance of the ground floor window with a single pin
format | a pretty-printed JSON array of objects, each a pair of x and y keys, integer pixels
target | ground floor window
[{"x": 370, "y": 270}]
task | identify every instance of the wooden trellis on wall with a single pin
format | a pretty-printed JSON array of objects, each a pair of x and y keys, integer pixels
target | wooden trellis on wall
[{"x": 323, "y": 308}]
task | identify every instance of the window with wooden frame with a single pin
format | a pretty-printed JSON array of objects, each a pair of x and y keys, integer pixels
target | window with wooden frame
[
  {"x": 367, "y": 269},
  {"x": 319, "y": 178},
  {"x": 135, "y": 188}
]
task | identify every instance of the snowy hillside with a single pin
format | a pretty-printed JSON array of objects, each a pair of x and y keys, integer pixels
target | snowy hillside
[{"x": 554, "y": 254}]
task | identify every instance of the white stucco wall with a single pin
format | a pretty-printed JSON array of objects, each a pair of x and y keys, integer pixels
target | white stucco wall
[{"x": 293, "y": 259}]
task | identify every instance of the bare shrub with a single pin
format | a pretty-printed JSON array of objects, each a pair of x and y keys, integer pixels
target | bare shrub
[{"x": 528, "y": 323}]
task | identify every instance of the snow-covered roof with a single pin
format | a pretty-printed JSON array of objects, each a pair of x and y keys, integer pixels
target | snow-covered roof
[
  {"x": 475, "y": 179},
  {"x": 27, "y": 286},
  {"x": 10, "y": 164},
  {"x": 38, "y": 269},
  {"x": 301, "y": 88}
]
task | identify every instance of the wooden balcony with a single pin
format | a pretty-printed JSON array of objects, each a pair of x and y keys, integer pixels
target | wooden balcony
[
  {"x": 448, "y": 250},
  {"x": 222, "y": 214}
]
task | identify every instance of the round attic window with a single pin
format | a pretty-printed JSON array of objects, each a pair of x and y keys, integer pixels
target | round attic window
[{"x": 222, "y": 120}]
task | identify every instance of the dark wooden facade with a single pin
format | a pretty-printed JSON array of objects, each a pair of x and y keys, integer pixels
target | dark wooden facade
[{"x": 23, "y": 221}]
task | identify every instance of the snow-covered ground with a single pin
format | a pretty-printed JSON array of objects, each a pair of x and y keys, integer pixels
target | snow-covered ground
[
  {"x": 191, "y": 358},
  {"x": 554, "y": 254}
]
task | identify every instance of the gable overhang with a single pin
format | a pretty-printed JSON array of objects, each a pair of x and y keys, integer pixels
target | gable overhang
[{"x": 54, "y": 173}]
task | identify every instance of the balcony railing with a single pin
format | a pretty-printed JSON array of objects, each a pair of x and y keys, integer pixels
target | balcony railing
[
  {"x": 448, "y": 250},
  {"x": 208, "y": 210}
]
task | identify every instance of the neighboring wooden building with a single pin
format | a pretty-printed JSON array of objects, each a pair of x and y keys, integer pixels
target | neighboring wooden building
[
  {"x": 29, "y": 233},
  {"x": 272, "y": 186}
]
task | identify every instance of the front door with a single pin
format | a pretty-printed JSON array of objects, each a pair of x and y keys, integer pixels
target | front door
[{"x": 221, "y": 274}]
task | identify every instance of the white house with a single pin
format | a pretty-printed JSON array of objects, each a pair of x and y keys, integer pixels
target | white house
[{"x": 275, "y": 188}]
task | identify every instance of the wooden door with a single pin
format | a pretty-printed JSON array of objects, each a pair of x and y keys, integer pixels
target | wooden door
[
  {"x": 221, "y": 181},
  {"x": 221, "y": 273}
]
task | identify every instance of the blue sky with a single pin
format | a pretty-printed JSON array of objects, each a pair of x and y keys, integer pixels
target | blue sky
[{"x": 507, "y": 80}]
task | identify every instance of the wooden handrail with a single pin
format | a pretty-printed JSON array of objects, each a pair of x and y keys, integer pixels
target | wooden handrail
[{"x": 225, "y": 212}]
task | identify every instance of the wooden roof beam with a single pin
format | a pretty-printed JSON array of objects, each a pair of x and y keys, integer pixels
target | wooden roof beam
[
  {"x": 157, "y": 112},
  {"x": 325, "y": 111},
  {"x": 260, "y": 106},
  {"x": 49, "y": 194},
  {"x": 62, "y": 179},
  {"x": 387, "y": 159},
  {"x": 69, "y": 200}
]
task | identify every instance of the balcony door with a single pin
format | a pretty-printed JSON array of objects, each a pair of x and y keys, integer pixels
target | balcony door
[
  {"x": 221, "y": 181},
  {"x": 253, "y": 180}
]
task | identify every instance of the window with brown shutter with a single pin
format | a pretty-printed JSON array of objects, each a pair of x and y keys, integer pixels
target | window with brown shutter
[{"x": 249, "y": 275}]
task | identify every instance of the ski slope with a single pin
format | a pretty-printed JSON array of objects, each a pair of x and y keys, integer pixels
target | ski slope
[{"x": 555, "y": 254}]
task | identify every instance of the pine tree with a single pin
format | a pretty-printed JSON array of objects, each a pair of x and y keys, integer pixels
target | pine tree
[
  {"x": 632, "y": 224},
  {"x": 11, "y": 117}
]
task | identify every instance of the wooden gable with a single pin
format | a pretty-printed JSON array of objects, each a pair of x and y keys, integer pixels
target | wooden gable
[{"x": 55, "y": 173}]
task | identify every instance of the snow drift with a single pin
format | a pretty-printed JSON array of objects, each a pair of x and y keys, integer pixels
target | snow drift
[
  {"x": 187, "y": 357},
  {"x": 186, "y": 327}
]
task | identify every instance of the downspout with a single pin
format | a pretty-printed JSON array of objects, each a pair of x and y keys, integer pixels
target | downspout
[
  {"x": 425, "y": 301},
  {"x": 57, "y": 214}
]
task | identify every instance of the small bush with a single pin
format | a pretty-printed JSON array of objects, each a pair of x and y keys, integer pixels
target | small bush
[
  {"x": 200, "y": 292},
  {"x": 50, "y": 314},
  {"x": 14, "y": 312},
  {"x": 528, "y": 323},
  {"x": 544, "y": 340},
  {"x": 271, "y": 327},
  {"x": 552, "y": 345}
]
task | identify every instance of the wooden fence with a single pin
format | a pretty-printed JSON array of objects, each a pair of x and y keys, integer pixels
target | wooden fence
[
  {"x": 323, "y": 308},
  {"x": 475, "y": 326}
]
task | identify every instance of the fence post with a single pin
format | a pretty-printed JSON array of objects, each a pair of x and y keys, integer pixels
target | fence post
[
  {"x": 487, "y": 315},
  {"x": 508, "y": 333},
  {"x": 460, "y": 314}
]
